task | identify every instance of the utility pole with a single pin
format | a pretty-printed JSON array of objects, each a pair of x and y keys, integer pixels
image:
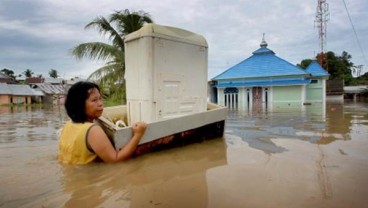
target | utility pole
[
  {"x": 357, "y": 70},
  {"x": 322, "y": 16}
]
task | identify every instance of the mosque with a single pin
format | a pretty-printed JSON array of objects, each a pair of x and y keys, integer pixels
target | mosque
[{"x": 265, "y": 81}]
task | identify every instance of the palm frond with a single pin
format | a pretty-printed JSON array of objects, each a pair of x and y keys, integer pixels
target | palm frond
[
  {"x": 110, "y": 77},
  {"x": 110, "y": 73},
  {"x": 128, "y": 22},
  {"x": 95, "y": 50},
  {"x": 104, "y": 27}
]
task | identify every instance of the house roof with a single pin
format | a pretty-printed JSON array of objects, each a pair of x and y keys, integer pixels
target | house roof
[
  {"x": 52, "y": 89},
  {"x": 53, "y": 80},
  {"x": 15, "y": 89},
  {"x": 2, "y": 75},
  {"x": 33, "y": 80},
  {"x": 6, "y": 79},
  {"x": 316, "y": 70},
  {"x": 21, "y": 89},
  {"x": 263, "y": 63},
  {"x": 4, "y": 89}
]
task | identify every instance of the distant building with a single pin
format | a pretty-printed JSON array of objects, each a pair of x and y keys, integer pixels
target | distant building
[
  {"x": 53, "y": 93},
  {"x": 6, "y": 79},
  {"x": 33, "y": 80},
  {"x": 53, "y": 81},
  {"x": 18, "y": 94},
  {"x": 267, "y": 81},
  {"x": 316, "y": 90},
  {"x": 34, "y": 90}
]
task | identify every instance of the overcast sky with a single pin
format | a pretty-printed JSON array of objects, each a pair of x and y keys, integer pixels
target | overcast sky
[{"x": 39, "y": 34}]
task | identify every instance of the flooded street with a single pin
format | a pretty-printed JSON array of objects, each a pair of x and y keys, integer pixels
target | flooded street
[{"x": 311, "y": 157}]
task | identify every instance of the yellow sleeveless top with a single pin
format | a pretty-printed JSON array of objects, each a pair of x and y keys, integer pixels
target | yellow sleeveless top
[{"x": 73, "y": 144}]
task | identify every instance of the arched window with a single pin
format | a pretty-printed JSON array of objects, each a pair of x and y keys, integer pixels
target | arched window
[{"x": 231, "y": 97}]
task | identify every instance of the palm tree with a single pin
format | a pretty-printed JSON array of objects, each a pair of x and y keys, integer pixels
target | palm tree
[
  {"x": 53, "y": 73},
  {"x": 110, "y": 77},
  {"x": 28, "y": 73}
]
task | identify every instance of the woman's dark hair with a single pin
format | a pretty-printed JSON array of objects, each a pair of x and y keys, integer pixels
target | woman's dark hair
[{"x": 76, "y": 100}]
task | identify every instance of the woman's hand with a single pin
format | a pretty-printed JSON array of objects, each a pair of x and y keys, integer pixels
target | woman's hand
[{"x": 139, "y": 128}]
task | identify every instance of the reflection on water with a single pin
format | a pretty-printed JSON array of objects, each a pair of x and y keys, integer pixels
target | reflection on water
[
  {"x": 314, "y": 123},
  {"x": 207, "y": 174},
  {"x": 20, "y": 123}
]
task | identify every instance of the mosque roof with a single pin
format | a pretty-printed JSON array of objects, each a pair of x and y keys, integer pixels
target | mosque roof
[
  {"x": 263, "y": 63},
  {"x": 316, "y": 70}
]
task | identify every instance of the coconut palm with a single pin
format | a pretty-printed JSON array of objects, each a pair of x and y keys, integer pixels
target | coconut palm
[
  {"x": 111, "y": 76},
  {"x": 28, "y": 73},
  {"x": 53, "y": 73}
]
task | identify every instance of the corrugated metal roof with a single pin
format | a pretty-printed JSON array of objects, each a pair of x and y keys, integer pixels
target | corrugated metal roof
[
  {"x": 4, "y": 89},
  {"x": 316, "y": 70},
  {"x": 263, "y": 63},
  {"x": 15, "y": 89},
  {"x": 21, "y": 90},
  {"x": 52, "y": 89},
  {"x": 38, "y": 92},
  {"x": 53, "y": 80}
]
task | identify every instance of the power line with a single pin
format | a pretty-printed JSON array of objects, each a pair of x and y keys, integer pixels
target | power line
[{"x": 355, "y": 33}]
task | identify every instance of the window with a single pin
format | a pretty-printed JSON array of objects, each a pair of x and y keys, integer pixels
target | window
[
  {"x": 231, "y": 97},
  {"x": 314, "y": 81}
]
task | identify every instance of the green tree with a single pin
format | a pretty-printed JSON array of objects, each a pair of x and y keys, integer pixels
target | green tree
[
  {"x": 339, "y": 67},
  {"x": 305, "y": 63},
  {"x": 364, "y": 76},
  {"x": 110, "y": 77},
  {"x": 28, "y": 73},
  {"x": 53, "y": 73}
]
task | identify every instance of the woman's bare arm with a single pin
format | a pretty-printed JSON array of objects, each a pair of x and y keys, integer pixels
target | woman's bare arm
[{"x": 102, "y": 146}]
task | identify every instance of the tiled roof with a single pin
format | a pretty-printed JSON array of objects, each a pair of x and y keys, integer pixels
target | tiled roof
[
  {"x": 316, "y": 70},
  {"x": 6, "y": 79},
  {"x": 33, "y": 80},
  {"x": 263, "y": 63}
]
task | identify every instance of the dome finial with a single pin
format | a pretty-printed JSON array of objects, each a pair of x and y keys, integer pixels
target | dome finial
[{"x": 263, "y": 43}]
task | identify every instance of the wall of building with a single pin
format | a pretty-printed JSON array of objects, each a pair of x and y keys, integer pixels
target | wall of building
[
  {"x": 287, "y": 96},
  {"x": 15, "y": 99},
  {"x": 4, "y": 99},
  {"x": 20, "y": 99},
  {"x": 243, "y": 97},
  {"x": 278, "y": 96},
  {"x": 316, "y": 91},
  {"x": 220, "y": 96}
]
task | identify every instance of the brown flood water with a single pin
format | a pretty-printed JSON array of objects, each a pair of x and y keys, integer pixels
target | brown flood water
[{"x": 312, "y": 157}]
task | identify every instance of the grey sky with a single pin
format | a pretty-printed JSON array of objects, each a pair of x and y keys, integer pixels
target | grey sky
[{"x": 39, "y": 34}]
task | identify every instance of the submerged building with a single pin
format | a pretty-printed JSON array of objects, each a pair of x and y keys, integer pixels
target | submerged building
[{"x": 266, "y": 81}]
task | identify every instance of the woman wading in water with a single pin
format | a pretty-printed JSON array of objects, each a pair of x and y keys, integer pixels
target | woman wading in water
[{"x": 81, "y": 140}]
